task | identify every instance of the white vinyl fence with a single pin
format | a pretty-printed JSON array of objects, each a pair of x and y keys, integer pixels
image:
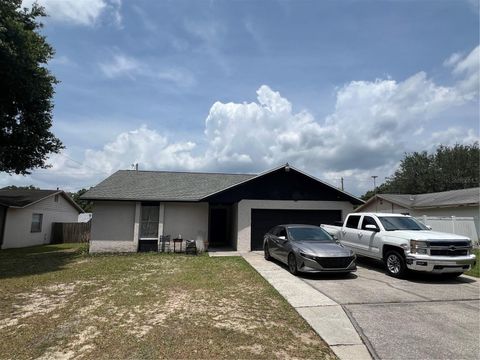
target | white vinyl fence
[{"x": 454, "y": 225}]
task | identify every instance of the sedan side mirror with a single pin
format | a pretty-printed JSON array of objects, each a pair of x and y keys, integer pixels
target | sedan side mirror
[
  {"x": 282, "y": 237},
  {"x": 371, "y": 227},
  {"x": 428, "y": 227}
]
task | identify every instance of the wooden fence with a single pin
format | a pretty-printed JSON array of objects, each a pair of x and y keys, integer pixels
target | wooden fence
[{"x": 70, "y": 232}]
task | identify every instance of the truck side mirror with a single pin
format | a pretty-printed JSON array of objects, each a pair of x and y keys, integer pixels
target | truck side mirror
[{"x": 371, "y": 227}]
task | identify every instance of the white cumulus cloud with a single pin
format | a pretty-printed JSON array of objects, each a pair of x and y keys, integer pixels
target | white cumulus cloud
[
  {"x": 372, "y": 124},
  {"x": 80, "y": 12}
]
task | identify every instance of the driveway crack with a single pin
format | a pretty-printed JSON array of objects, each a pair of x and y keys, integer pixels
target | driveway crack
[{"x": 360, "y": 332}]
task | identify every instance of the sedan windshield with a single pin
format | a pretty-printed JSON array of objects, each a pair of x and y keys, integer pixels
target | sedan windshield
[
  {"x": 309, "y": 234},
  {"x": 391, "y": 223}
]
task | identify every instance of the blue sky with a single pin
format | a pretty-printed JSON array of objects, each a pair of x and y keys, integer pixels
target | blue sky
[{"x": 337, "y": 88}]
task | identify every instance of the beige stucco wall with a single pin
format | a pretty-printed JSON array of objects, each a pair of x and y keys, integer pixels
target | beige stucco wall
[
  {"x": 187, "y": 219},
  {"x": 113, "y": 226},
  {"x": 245, "y": 207},
  {"x": 18, "y": 222}
]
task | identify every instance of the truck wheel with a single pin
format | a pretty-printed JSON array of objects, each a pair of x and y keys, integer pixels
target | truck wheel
[
  {"x": 292, "y": 264},
  {"x": 395, "y": 264},
  {"x": 266, "y": 253}
]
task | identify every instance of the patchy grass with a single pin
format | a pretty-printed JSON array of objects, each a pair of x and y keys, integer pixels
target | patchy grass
[
  {"x": 475, "y": 271},
  {"x": 59, "y": 302}
]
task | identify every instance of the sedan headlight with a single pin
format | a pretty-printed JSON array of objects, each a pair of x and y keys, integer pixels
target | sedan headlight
[
  {"x": 308, "y": 256},
  {"x": 418, "y": 247}
]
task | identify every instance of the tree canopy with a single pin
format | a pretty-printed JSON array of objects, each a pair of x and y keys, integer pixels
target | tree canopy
[
  {"x": 86, "y": 205},
  {"x": 449, "y": 168},
  {"x": 13, "y": 187},
  {"x": 26, "y": 90}
]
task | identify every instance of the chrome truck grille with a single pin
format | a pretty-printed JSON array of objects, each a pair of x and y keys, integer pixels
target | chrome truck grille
[{"x": 449, "y": 248}]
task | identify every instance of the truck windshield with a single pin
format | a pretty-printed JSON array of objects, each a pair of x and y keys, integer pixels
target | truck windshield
[
  {"x": 391, "y": 223},
  {"x": 309, "y": 234}
]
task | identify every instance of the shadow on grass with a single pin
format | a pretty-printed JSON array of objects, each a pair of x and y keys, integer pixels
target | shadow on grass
[
  {"x": 414, "y": 276},
  {"x": 37, "y": 260}
]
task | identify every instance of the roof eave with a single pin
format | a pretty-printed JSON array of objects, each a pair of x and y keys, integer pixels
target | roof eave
[{"x": 445, "y": 206}]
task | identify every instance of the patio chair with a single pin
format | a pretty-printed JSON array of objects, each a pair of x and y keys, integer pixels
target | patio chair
[
  {"x": 191, "y": 247},
  {"x": 164, "y": 244}
]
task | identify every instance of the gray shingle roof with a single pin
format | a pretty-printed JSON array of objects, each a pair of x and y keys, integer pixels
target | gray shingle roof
[
  {"x": 162, "y": 185},
  {"x": 444, "y": 198},
  {"x": 23, "y": 197}
]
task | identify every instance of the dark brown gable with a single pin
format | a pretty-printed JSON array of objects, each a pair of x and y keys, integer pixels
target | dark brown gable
[{"x": 281, "y": 185}]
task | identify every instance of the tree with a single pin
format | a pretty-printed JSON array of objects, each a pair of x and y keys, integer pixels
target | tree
[
  {"x": 26, "y": 90},
  {"x": 449, "y": 168},
  {"x": 86, "y": 205},
  {"x": 13, "y": 187}
]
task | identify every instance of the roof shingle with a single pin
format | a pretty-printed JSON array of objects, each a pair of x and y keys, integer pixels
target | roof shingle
[
  {"x": 162, "y": 185},
  {"x": 23, "y": 197},
  {"x": 444, "y": 198}
]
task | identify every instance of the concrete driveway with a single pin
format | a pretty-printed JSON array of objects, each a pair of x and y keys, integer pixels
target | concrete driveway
[{"x": 423, "y": 317}]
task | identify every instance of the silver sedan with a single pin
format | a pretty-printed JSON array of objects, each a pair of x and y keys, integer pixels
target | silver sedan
[{"x": 307, "y": 248}]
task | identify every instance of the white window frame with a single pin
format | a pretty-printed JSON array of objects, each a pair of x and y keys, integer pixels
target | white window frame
[{"x": 35, "y": 230}]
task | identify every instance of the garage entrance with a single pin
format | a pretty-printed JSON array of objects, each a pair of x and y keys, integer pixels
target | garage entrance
[{"x": 263, "y": 220}]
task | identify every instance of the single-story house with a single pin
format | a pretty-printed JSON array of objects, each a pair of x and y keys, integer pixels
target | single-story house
[
  {"x": 231, "y": 211},
  {"x": 457, "y": 203},
  {"x": 26, "y": 215}
]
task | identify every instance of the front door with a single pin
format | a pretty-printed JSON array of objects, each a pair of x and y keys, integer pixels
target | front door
[{"x": 219, "y": 227}]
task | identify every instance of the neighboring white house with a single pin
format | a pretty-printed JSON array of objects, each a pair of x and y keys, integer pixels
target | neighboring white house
[
  {"x": 132, "y": 209},
  {"x": 440, "y": 208},
  {"x": 26, "y": 216}
]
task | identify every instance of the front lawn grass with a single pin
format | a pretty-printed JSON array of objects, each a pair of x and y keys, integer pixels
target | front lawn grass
[
  {"x": 57, "y": 301},
  {"x": 475, "y": 271}
]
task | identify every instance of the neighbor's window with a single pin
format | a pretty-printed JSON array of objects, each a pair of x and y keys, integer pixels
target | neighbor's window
[
  {"x": 36, "y": 223},
  {"x": 149, "y": 221}
]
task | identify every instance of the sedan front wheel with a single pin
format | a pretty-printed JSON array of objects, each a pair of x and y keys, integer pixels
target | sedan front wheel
[
  {"x": 266, "y": 252},
  {"x": 292, "y": 264}
]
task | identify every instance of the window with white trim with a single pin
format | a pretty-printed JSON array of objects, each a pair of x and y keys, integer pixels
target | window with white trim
[{"x": 36, "y": 223}]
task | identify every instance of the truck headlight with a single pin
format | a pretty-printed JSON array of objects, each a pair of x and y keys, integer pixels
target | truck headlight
[{"x": 418, "y": 247}]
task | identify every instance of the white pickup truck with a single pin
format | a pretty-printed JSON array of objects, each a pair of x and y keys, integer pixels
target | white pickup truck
[{"x": 404, "y": 243}]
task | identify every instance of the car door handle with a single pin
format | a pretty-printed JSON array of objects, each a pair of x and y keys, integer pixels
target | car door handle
[
  {"x": 344, "y": 232},
  {"x": 360, "y": 235}
]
